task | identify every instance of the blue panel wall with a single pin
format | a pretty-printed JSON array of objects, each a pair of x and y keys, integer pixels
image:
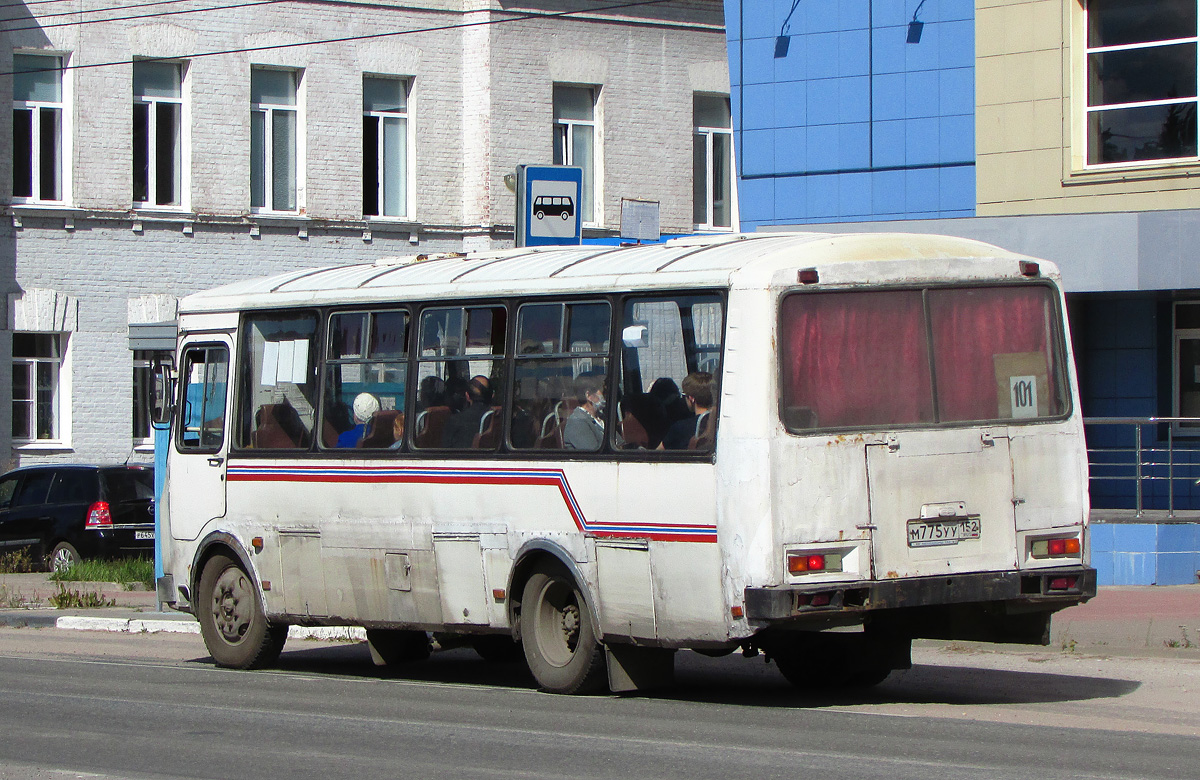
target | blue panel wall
[
  {"x": 855, "y": 122},
  {"x": 1146, "y": 554}
]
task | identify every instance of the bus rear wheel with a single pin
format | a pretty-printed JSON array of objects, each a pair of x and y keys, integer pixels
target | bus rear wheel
[
  {"x": 559, "y": 642},
  {"x": 232, "y": 620}
]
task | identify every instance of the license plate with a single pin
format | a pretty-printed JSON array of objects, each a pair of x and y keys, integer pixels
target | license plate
[
  {"x": 931, "y": 532},
  {"x": 143, "y": 534}
]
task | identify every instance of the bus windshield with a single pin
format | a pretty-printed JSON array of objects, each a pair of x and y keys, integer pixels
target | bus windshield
[{"x": 917, "y": 357}]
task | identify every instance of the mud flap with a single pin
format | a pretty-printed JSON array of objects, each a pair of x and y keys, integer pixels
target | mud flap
[{"x": 632, "y": 668}]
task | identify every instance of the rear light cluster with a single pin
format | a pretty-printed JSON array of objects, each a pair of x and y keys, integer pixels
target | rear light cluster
[
  {"x": 1055, "y": 548},
  {"x": 99, "y": 516},
  {"x": 807, "y": 563}
]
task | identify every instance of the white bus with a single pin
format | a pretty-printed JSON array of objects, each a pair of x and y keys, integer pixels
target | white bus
[{"x": 816, "y": 447}]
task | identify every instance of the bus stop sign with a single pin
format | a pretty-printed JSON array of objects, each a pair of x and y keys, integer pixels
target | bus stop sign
[{"x": 548, "y": 201}]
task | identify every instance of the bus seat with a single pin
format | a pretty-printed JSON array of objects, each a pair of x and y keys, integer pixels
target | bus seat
[
  {"x": 550, "y": 437},
  {"x": 429, "y": 426},
  {"x": 277, "y": 427},
  {"x": 633, "y": 432},
  {"x": 329, "y": 434},
  {"x": 380, "y": 430},
  {"x": 489, "y": 432},
  {"x": 704, "y": 437}
]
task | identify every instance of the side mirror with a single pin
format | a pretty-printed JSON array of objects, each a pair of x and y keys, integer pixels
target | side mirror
[{"x": 162, "y": 405}]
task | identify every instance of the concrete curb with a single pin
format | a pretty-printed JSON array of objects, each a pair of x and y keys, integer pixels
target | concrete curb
[{"x": 190, "y": 626}]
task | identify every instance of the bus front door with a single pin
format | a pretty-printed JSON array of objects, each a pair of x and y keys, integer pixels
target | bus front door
[
  {"x": 197, "y": 467},
  {"x": 941, "y": 503}
]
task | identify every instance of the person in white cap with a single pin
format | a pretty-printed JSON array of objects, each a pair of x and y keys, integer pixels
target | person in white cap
[{"x": 365, "y": 405}]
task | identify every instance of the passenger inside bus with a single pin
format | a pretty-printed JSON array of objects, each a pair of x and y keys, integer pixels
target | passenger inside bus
[
  {"x": 473, "y": 403},
  {"x": 689, "y": 433},
  {"x": 584, "y": 429},
  {"x": 365, "y": 406}
]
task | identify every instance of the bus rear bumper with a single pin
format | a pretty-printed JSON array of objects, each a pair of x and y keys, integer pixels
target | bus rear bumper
[{"x": 992, "y": 606}]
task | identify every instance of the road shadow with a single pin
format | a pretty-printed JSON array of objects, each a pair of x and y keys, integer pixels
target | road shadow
[
  {"x": 460, "y": 666},
  {"x": 732, "y": 680}
]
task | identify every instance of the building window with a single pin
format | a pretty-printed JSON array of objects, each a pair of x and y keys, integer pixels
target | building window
[
  {"x": 1187, "y": 364},
  {"x": 385, "y": 147},
  {"x": 274, "y": 153},
  {"x": 575, "y": 138},
  {"x": 36, "y": 405},
  {"x": 37, "y": 127},
  {"x": 157, "y": 125},
  {"x": 144, "y": 361},
  {"x": 1141, "y": 76},
  {"x": 712, "y": 163}
]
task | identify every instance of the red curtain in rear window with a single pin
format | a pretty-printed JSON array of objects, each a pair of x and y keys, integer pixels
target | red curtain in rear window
[
  {"x": 855, "y": 359},
  {"x": 984, "y": 339}
]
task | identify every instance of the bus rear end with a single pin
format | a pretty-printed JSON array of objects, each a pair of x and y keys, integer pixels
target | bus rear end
[{"x": 932, "y": 479}]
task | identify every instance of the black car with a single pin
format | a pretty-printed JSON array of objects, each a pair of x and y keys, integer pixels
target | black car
[{"x": 64, "y": 514}]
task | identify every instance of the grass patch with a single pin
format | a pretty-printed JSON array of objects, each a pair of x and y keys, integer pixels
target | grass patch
[
  {"x": 124, "y": 570},
  {"x": 11, "y": 599},
  {"x": 17, "y": 562},
  {"x": 74, "y": 599}
]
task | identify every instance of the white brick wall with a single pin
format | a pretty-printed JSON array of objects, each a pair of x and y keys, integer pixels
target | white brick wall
[{"x": 480, "y": 105}]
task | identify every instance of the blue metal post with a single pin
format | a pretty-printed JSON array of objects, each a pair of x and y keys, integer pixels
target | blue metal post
[{"x": 162, "y": 440}]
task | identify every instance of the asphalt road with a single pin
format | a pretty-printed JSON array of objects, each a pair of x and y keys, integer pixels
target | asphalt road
[{"x": 117, "y": 707}]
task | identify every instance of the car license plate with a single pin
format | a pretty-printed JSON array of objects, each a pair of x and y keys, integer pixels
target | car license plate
[
  {"x": 143, "y": 534},
  {"x": 935, "y": 531}
]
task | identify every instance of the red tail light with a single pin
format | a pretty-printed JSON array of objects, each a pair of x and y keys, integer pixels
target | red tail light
[{"x": 99, "y": 516}]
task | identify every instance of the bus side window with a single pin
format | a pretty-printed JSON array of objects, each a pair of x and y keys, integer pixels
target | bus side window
[
  {"x": 459, "y": 370},
  {"x": 278, "y": 377},
  {"x": 562, "y": 355},
  {"x": 664, "y": 340},
  {"x": 365, "y": 379}
]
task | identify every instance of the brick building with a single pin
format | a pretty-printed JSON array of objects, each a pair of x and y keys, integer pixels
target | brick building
[{"x": 157, "y": 153}]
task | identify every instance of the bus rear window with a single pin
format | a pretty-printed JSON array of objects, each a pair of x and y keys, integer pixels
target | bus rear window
[{"x": 913, "y": 357}]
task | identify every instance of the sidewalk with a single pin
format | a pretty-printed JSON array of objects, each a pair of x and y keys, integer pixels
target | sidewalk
[{"x": 1139, "y": 619}]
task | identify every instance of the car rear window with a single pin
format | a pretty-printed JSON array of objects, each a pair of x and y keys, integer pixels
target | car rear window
[
  {"x": 877, "y": 358},
  {"x": 128, "y": 484},
  {"x": 74, "y": 486}
]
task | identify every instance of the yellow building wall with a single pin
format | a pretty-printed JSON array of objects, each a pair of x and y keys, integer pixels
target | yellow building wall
[{"x": 1030, "y": 136}]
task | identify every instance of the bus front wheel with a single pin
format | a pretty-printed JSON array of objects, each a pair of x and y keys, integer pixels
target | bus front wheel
[
  {"x": 559, "y": 642},
  {"x": 232, "y": 621}
]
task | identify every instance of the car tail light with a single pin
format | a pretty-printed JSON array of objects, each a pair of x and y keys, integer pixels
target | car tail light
[
  {"x": 1055, "y": 548},
  {"x": 99, "y": 516}
]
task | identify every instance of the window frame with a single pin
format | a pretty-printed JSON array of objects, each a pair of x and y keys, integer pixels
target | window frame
[
  {"x": 62, "y": 172},
  {"x": 152, "y": 152},
  {"x": 1084, "y": 110},
  {"x": 326, "y": 362},
  {"x": 564, "y": 151},
  {"x": 708, "y": 134},
  {"x": 178, "y": 426},
  {"x": 502, "y": 392},
  {"x": 406, "y": 179},
  {"x": 1060, "y": 353},
  {"x": 270, "y": 113},
  {"x": 1178, "y": 335},
  {"x": 60, "y": 367}
]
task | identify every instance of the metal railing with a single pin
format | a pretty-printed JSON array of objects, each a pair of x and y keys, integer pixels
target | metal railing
[{"x": 1144, "y": 451}]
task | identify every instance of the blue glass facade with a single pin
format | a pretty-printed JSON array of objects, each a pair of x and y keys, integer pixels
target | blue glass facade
[{"x": 854, "y": 122}]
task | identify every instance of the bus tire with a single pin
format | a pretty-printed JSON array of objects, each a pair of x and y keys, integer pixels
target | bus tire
[
  {"x": 232, "y": 621},
  {"x": 560, "y": 645}
]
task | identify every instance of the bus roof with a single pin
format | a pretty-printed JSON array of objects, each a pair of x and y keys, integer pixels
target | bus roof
[{"x": 712, "y": 260}]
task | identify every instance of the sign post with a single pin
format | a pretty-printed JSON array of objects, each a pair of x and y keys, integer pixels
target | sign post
[{"x": 548, "y": 201}]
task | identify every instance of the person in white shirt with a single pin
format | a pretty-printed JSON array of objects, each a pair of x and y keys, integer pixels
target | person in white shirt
[{"x": 584, "y": 429}]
